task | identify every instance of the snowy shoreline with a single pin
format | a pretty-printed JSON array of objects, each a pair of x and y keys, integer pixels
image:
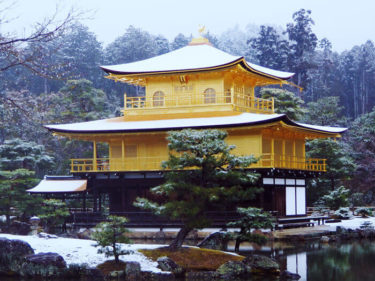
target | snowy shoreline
[{"x": 79, "y": 251}]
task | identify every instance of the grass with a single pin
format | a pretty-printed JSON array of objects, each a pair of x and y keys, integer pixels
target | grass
[{"x": 192, "y": 259}]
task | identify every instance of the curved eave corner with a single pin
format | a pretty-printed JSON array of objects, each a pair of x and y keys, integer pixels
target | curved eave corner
[{"x": 267, "y": 72}]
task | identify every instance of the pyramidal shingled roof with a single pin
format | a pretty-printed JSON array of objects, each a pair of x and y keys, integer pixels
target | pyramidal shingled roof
[{"x": 189, "y": 59}]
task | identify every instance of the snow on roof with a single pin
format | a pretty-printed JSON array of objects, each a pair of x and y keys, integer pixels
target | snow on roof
[
  {"x": 192, "y": 57},
  {"x": 58, "y": 186},
  {"x": 323, "y": 128},
  {"x": 277, "y": 73},
  {"x": 121, "y": 125}
]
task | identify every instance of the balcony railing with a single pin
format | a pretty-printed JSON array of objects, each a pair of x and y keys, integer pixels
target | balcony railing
[
  {"x": 154, "y": 164},
  {"x": 240, "y": 102}
]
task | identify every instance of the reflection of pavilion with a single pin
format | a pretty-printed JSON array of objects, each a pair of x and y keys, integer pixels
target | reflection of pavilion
[
  {"x": 197, "y": 87},
  {"x": 297, "y": 263}
]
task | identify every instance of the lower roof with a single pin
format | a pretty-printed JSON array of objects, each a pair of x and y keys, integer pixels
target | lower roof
[
  {"x": 59, "y": 186},
  {"x": 122, "y": 125}
]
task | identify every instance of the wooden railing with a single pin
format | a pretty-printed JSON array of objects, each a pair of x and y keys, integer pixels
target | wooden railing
[
  {"x": 240, "y": 102},
  {"x": 116, "y": 164},
  {"x": 154, "y": 164},
  {"x": 291, "y": 162}
]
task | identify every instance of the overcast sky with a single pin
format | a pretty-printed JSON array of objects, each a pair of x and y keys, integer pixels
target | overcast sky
[{"x": 344, "y": 22}]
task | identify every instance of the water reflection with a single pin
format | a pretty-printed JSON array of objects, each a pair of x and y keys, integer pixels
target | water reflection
[
  {"x": 317, "y": 262},
  {"x": 343, "y": 262}
]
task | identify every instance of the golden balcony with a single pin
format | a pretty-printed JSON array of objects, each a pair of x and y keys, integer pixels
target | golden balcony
[
  {"x": 198, "y": 102},
  {"x": 154, "y": 164}
]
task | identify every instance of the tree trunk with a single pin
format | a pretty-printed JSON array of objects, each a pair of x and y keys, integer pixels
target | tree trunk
[
  {"x": 180, "y": 238},
  {"x": 237, "y": 246}
]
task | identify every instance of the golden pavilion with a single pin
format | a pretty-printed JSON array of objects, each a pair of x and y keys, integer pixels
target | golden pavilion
[{"x": 198, "y": 87}]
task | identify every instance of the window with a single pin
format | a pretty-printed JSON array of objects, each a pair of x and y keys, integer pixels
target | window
[
  {"x": 158, "y": 99},
  {"x": 209, "y": 95},
  {"x": 130, "y": 150}
]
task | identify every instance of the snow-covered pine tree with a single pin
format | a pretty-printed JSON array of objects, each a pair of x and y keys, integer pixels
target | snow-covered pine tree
[{"x": 201, "y": 175}]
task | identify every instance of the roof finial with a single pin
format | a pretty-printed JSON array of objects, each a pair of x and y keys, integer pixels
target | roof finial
[
  {"x": 200, "y": 40},
  {"x": 201, "y": 29}
]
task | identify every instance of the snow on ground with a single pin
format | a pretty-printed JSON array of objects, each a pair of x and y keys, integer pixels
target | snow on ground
[
  {"x": 79, "y": 251},
  {"x": 353, "y": 223}
]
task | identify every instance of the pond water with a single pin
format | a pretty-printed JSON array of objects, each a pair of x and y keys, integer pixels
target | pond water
[
  {"x": 334, "y": 262},
  {"x": 318, "y": 262}
]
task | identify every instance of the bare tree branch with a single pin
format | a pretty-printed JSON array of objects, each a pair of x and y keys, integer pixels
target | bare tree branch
[{"x": 29, "y": 51}]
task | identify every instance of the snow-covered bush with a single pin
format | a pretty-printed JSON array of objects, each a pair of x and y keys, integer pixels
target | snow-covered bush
[
  {"x": 336, "y": 199},
  {"x": 364, "y": 212},
  {"x": 343, "y": 213}
]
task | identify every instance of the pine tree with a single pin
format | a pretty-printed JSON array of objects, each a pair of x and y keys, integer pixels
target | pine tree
[
  {"x": 303, "y": 43},
  {"x": 325, "y": 112},
  {"x": 271, "y": 50},
  {"x": 285, "y": 102},
  {"x": 201, "y": 175},
  {"x": 109, "y": 234},
  {"x": 251, "y": 219},
  {"x": 14, "y": 200},
  {"x": 340, "y": 166}
]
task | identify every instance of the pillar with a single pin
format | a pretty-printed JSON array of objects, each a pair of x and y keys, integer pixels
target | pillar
[
  {"x": 123, "y": 155},
  {"x": 94, "y": 160}
]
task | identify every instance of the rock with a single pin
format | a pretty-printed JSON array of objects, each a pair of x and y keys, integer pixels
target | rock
[
  {"x": 132, "y": 270},
  {"x": 116, "y": 275},
  {"x": 47, "y": 235},
  {"x": 11, "y": 255},
  {"x": 166, "y": 264},
  {"x": 262, "y": 265},
  {"x": 202, "y": 275},
  {"x": 84, "y": 233},
  {"x": 216, "y": 241},
  {"x": 155, "y": 276},
  {"x": 3, "y": 219},
  {"x": 340, "y": 230},
  {"x": 92, "y": 274},
  {"x": 286, "y": 275},
  {"x": 19, "y": 228},
  {"x": 233, "y": 269},
  {"x": 43, "y": 265},
  {"x": 324, "y": 239}
]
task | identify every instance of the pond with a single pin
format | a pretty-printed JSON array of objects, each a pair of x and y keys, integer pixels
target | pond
[
  {"x": 317, "y": 262},
  {"x": 334, "y": 262}
]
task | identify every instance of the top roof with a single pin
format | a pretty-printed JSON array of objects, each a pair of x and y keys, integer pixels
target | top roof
[
  {"x": 121, "y": 125},
  {"x": 189, "y": 59}
]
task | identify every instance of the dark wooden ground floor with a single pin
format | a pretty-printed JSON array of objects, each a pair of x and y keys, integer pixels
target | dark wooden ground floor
[{"x": 283, "y": 194}]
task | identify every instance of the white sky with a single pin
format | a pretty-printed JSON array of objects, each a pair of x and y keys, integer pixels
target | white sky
[{"x": 344, "y": 22}]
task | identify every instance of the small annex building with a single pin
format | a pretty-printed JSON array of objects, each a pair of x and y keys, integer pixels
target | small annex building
[{"x": 198, "y": 87}]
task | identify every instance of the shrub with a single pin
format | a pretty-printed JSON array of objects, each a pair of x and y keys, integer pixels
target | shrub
[
  {"x": 54, "y": 214},
  {"x": 336, "y": 199},
  {"x": 343, "y": 213},
  {"x": 364, "y": 212}
]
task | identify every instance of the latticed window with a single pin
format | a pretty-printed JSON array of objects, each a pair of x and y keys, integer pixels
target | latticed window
[
  {"x": 158, "y": 99},
  {"x": 209, "y": 95}
]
